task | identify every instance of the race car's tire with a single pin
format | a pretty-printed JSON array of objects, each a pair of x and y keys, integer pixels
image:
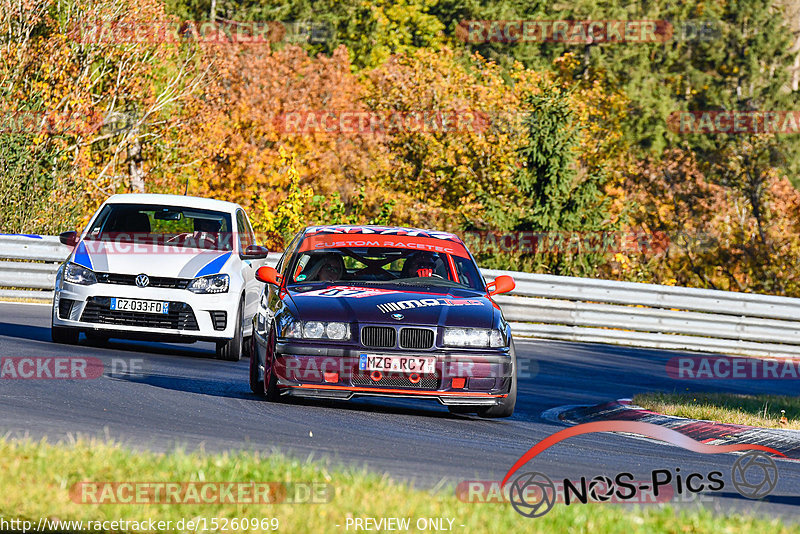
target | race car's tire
[
  {"x": 64, "y": 335},
  {"x": 247, "y": 346},
  {"x": 231, "y": 350},
  {"x": 506, "y": 407},
  {"x": 256, "y": 385},
  {"x": 270, "y": 378}
]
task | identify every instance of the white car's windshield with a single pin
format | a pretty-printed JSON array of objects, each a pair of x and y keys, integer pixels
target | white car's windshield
[{"x": 164, "y": 225}]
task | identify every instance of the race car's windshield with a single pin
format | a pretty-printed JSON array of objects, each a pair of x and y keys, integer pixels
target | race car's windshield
[
  {"x": 163, "y": 225},
  {"x": 380, "y": 265}
]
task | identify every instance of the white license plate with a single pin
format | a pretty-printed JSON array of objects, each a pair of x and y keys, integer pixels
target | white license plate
[
  {"x": 136, "y": 305},
  {"x": 400, "y": 364}
]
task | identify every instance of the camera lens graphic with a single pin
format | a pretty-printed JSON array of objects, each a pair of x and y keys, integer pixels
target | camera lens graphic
[
  {"x": 754, "y": 475},
  {"x": 532, "y": 494},
  {"x": 601, "y": 488}
]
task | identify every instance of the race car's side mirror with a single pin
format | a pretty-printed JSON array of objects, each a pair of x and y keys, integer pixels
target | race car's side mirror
[
  {"x": 255, "y": 252},
  {"x": 69, "y": 238},
  {"x": 501, "y": 284},
  {"x": 268, "y": 275}
]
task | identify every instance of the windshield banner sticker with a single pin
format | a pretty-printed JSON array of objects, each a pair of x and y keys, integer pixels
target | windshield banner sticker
[{"x": 348, "y": 291}]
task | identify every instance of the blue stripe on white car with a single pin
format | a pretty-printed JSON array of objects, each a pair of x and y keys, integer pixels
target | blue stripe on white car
[
  {"x": 214, "y": 266},
  {"x": 82, "y": 256}
]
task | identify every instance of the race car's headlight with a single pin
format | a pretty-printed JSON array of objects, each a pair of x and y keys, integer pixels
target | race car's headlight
[
  {"x": 473, "y": 337},
  {"x": 294, "y": 329},
  {"x": 217, "y": 283},
  {"x": 78, "y": 274},
  {"x": 313, "y": 329},
  {"x": 318, "y": 330},
  {"x": 496, "y": 339},
  {"x": 337, "y": 330}
]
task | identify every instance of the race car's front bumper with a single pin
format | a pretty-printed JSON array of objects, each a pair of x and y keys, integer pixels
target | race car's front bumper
[
  {"x": 468, "y": 377},
  {"x": 191, "y": 316}
]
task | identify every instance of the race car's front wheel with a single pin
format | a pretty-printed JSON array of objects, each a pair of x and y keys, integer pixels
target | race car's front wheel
[
  {"x": 256, "y": 384},
  {"x": 64, "y": 335},
  {"x": 506, "y": 406},
  {"x": 270, "y": 376},
  {"x": 231, "y": 350}
]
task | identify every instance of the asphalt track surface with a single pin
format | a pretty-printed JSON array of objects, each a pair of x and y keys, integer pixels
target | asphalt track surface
[{"x": 185, "y": 397}]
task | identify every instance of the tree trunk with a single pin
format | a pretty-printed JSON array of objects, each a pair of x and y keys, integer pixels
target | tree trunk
[{"x": 135, "y": 160}]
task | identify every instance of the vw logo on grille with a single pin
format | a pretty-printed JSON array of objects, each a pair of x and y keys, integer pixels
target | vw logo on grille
[{"x": 142, "y": 280}]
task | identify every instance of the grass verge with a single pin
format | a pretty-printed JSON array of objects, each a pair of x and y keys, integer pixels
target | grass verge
[
  {"x": 26, "y": 300},
  {"x": 36, "y": 479},
  {"x": 753, "y": 410}
]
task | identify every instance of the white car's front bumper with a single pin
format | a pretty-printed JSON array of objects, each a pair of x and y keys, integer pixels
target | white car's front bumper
[{"x": 192, "y": 316}]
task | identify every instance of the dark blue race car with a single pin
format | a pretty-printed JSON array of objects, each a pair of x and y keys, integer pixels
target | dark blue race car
[{"x": 382, "y": 311}]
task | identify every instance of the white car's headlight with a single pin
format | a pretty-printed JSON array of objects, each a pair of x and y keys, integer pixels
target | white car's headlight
[
  {"x": 78, "y": 274},
  {"x": 473, "y": 337},
  {"x": 217, "y": 283},
  {"x": 318, "y": 330}
]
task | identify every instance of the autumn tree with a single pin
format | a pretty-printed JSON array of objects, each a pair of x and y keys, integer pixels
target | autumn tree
[
  {"x": 714, "y": 239},
  {"x": 107, "y": 97},
  {"x": 441, "y": 174},
  {"x": 256, "y": 106}
]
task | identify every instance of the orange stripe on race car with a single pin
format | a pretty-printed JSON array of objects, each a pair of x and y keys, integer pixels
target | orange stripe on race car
[{"x": 405, "y": 391}]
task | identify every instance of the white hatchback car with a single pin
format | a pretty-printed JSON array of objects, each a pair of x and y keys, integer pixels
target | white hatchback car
[{"x": 162, "y": 268}]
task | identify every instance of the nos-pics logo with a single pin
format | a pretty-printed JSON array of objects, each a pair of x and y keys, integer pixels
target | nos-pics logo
[{"x": 532, "y": 494}]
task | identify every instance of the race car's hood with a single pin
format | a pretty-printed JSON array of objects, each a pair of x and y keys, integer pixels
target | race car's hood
[
  {"x": 152, "y": 260},
  {"x": 446, "y": 307}
]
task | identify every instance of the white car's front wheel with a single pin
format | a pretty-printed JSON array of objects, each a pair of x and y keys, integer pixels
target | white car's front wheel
[
  {"x": 231, "y": 350},
  {"x": 64, "y": 335}
]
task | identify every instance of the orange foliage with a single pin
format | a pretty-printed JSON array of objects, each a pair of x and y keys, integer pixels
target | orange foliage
[
  {"x": 234, "y": 142},
  {"x": 714, "y": 234},
  {"x": 440, "y": 177}
]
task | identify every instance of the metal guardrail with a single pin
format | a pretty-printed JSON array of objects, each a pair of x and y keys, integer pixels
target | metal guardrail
[
  {"x": 46, "y": 251},
  {"x": 550, "y": 307},
  {"x": 42, "y": 257}
]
